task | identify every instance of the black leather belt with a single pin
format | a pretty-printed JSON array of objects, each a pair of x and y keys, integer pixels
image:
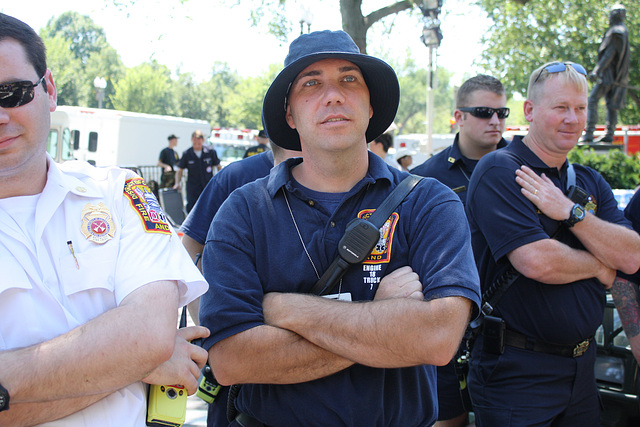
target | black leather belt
[{"x": 515, "y": 339}]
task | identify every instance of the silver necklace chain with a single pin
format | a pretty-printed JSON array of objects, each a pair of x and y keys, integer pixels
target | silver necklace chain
[{"x": 300, "y": 235}]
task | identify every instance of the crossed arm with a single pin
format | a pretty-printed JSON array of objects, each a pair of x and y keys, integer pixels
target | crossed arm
[
  {"x": 609, "y": 247},
  {"x": 134, "y": 341},
  {"x": 306, "y": 337}
]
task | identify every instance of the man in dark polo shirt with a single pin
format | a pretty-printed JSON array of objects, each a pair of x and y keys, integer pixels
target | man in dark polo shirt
[
  {"x": 480, "y": 114},
  {"x": 534, "y": 362}
]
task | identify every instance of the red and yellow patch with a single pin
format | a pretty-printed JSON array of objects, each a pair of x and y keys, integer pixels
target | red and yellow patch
[
  {"x": 381, "y": 253},
  {"x": 146, "y": 205}
]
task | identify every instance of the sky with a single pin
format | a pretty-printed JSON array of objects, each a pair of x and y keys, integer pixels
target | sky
[{"x": 190, "y": 36}]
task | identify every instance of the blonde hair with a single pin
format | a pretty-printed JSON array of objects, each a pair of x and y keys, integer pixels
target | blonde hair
[{"x": 568, "y": 76}]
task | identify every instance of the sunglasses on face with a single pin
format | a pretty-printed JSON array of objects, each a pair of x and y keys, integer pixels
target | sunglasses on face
[
  {"x": 18, "y": 93},
  {"x": 485, "y": 112},
  {"x": 558, "y": 67}
]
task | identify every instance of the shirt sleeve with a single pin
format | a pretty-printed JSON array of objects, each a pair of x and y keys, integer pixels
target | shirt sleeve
[{"x": 146, "y": 256}]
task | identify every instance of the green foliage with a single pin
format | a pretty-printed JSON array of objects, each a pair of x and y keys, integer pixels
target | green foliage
[
  {"x": 617, "y": 168},
  {"x": 144, "y": 89},
  {"x": 524, "y": 37},
  {"x": 78, "y": 52},
  {"x": 411, "y": 116}
]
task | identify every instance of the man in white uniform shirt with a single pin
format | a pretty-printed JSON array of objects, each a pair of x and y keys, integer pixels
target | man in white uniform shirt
[{"x": 93, "y": 275}]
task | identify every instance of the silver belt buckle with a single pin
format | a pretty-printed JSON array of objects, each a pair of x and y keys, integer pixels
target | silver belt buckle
[{"x": 580, "y": 348}]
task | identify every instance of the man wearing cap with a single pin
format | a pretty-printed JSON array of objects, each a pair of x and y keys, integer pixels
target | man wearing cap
[
  {"x": 366, "y": 355},
  {"x": 168, "y": 159},
  {"x": 480, "y": 114},
  {"x": 263, "y": 145},
  {"x": 199, "y": 160},
  {"x": 548, "y": 238}
]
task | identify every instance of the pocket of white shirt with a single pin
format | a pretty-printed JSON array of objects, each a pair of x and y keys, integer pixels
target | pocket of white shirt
[{"x": 95, "y": 269}]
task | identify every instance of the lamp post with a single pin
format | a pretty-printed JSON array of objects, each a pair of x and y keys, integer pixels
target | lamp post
[
  {"x": 100, "y": 84},
  {"x": 431, "y": 37},
  {"x": 306, "y": 17}
]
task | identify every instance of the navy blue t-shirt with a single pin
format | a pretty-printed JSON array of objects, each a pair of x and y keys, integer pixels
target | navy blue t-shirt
[
  {"x": 451, "y": 168},
  {"x": 502, "y": 219},
  {"x": 253, "y": 248},
  {"x": 232, "y": 176}
]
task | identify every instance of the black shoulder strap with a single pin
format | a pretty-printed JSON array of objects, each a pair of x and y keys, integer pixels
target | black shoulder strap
[
  {"x": 393, "y": 200},
  {"x": 365, "y": 235}
]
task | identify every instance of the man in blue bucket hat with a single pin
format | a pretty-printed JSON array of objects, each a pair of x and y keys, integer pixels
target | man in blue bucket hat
[{"x": 365, "y": 355}]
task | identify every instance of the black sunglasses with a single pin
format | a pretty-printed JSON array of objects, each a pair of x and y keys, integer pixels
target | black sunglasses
[
  {"x": 18, "y": 93},
  {"x": 558, "y": 67},
  {"x": 485, "y": 112}
]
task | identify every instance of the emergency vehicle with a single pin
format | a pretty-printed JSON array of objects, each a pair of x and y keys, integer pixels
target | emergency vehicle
[
  {"x": 230, "y": 143},
  {"x": 110, "y": 137}
]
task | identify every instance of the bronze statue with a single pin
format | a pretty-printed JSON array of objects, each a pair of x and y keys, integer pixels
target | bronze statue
[{"x": 611, "y": 75}]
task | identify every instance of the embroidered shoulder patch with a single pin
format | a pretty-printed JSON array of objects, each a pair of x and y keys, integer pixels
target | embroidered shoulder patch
[
  {"x": 381, "y": 253},
  {"x": 146, "y": 205}
]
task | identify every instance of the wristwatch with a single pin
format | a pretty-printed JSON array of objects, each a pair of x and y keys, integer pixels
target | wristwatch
[
  {"x": 4, "y": 399},
  {"x": 576, "y": 215}
]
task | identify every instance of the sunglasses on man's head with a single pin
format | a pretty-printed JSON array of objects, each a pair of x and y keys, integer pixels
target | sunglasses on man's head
[
  {"x": 18, "y": 93},
  {"x": 485, "y": 112},
  {"x": 558, "y": 67}
]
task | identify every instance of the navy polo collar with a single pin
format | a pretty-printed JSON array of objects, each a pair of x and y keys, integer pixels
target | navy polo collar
[
  {"x": 521, "y": 150},
  {"x": 281, "y": 174}
]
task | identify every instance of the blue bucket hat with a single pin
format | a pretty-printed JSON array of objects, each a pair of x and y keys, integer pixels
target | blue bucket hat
[{"x": 381, "y": 79}]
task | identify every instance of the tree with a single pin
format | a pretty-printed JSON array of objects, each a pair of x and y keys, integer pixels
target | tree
[
  {"x": 78, "y": 52},
  {"x": 145, "y": 89},
  {"x": 524, "y": 37},
  {"x": 85, "y": 36},
  {"x": 217, "y": 91},
  {"x": 413, "y": 101},
  {"x": 354, "y": 21},
  {"x": 66, "y": 68}
]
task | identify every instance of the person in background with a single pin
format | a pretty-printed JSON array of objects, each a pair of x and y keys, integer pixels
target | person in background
[
  {"x": 366, "y": 355},
  {"x": 199, "y": 160},
  {"x": 625, "y": 292},
  {"x": 480, "y": 114},
  {"x": 404, "y": 157},
  {"x": 263, "y": 145},
  {"x": 558, "y": 244},
  {"x": 380, "y": 146},
  {"x": 94, "y": 275},
  {"x": 168, "y": 159}
]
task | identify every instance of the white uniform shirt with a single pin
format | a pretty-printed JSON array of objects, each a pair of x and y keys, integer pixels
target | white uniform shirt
[{"x": 44, "y": 293}]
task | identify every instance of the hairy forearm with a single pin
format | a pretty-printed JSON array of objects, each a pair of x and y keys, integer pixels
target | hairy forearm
[
  {"x": 613, "y": 245},
  {"x": 270, "y": 355},
  {"x": 388, "y": 333},
  {"x": 554, "y": 263},
  {"x": 115, "y": 349},
  {"x": 28, "y": 414}
]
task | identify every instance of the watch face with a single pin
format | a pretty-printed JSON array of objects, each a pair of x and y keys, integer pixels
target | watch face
[{"x": 578, "y": 212}]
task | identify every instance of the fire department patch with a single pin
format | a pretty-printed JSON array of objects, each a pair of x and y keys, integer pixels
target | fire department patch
[
  {"x": 146, "y": 205},
  {"x": 381, "y": 253},
  {"x": 97, "y": 225}
]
